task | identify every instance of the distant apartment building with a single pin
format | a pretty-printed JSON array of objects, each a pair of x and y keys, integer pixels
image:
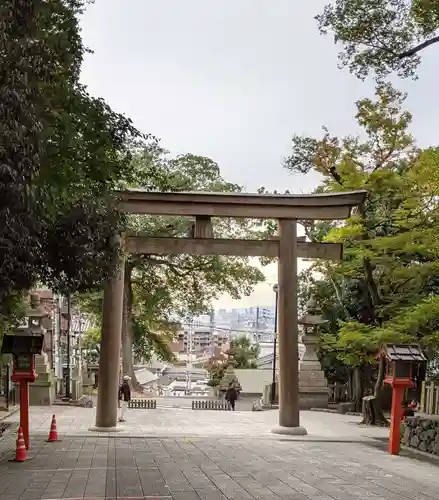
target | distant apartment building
[{"x": 202, "y": 339}]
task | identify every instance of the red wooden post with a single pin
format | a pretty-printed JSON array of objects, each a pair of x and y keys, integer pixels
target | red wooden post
[
  {"x": 395, "y": 420},
  {"x": 24, "y": 410}
]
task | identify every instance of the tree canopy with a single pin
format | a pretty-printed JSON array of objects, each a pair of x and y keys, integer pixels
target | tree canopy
[
  {"x": 63, "y": 152},
  {"x": 382, "y": 36},
  {"x": 244, "y": 352},
  {"x": 386, "y": 287},
  {"x": 161, "y": 289}
]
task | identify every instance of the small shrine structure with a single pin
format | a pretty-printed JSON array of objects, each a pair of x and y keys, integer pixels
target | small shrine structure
[{"x": 42, "y": 390}]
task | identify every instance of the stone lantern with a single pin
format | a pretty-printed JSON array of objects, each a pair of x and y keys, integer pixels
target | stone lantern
[
  {"x": 42, "y": 391},
  {"x": 229, "y": 376},
  {"x": 313, "y": 386},
  {"x": 37, "y": 319}
]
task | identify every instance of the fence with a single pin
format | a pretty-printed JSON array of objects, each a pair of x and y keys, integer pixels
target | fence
[
  {"x": 430, "y": 398},
  {"x": 210, "y": 405},
  {"x": 144, "y": 404}
]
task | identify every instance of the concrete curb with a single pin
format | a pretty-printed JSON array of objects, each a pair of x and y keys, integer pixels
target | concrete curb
[
  {"x": 7, "y": 442},
  {"x": 336, "y": 412},
  {"x": 7, "y": 414},
  {"x": 413, "y": 452}
]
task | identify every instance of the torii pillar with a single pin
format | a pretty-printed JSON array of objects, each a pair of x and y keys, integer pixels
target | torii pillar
[
  {"x": 109, "y": 359},
  {"x": 288, "y": 333}
]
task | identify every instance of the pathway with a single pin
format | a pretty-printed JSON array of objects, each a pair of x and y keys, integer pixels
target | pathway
[
  {"x": 193, "y": 455},
  {"x": 175, "y": 422}
]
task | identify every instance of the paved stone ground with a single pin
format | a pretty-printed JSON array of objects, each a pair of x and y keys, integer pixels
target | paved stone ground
[
  {"x": 252, "y": 465},
  {"x": 173, "y": 422}
]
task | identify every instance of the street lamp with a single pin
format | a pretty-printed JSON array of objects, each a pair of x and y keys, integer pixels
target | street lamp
[{"x": 273, "y": 383}]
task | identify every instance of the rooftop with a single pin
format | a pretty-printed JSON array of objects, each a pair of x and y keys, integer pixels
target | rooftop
[{"x": 403, "y": 352}]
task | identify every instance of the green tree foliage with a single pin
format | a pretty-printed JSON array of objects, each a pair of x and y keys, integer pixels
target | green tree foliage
[
  {"x": 62, "y": 153},
  {"x": 161, "y": 288},
  {"x": 382, "y": 36},
  {"x": 11, "y": 313},
  {"x": 216, "y": 372},
  {"x": 244, "y": 352},
  {"x": 91, "y": 345},
  {"x": 385, "y": 288}
]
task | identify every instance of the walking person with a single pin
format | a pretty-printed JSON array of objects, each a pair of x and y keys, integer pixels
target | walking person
[
  {"x": 231, "y": 396},
  {"x": 124, "y": 397}
]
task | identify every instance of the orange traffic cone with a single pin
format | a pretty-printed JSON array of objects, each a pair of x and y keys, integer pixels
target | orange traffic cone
[
  {"x": 53, "y": 434},
  {"x": 20, "y": 453}
]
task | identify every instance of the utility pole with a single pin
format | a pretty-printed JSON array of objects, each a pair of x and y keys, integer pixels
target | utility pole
[
  {"x": 257, "y": 324},
  {"x": 212, "y": 331},
  {"x": 58, "y": 330},
  {"x": 189, "y": 358},
  {"x": 56, "y": 334},
  {"x": 273, "y": 383},
  {"x": 69, "y": 321}
]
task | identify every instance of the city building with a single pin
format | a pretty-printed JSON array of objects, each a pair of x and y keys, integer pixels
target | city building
[{"x": 201, "y": 339}]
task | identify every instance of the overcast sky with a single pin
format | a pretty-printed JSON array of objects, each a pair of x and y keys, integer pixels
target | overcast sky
[{"x": 233, "y": 80}]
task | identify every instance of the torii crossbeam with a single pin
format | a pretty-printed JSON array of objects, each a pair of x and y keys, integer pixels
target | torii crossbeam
[{"x": 287, "y": 248}]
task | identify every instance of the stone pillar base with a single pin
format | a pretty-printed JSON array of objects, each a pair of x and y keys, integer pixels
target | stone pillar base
[
  {"x": 105, "y": 429},
  {"x": 42, "y": 391},
  {"x": 41, "y": 394},
  {"x": 290, "y": 431},
  {"x": 312, "y": 399}
]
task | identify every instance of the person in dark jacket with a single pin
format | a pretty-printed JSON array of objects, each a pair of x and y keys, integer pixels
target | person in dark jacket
[
  {"x": 231, "y": 396},
  {"x": 124, "y": 397}
]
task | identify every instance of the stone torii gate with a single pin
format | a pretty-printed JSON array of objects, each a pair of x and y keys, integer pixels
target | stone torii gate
[{"x": 287, "y": 209}]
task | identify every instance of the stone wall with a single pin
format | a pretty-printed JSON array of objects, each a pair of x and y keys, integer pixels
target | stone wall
[
  {"x": 253, "y": 380},
  {"x": 422, "y": 433}
]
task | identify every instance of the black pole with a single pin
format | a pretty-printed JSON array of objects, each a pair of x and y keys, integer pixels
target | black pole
[
  {"x": 7, "y": 388},
  {"x": 69, "y": 318},
  {"x": 273, "y": 383},
  {"x": 58, "y": 346}
]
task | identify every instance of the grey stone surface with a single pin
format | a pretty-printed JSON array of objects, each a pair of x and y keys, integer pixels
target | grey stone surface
[
  {"x": 76, "y": 421},
  {"x": 207, "y": 468},
  {"x": 187, "y": 455}
]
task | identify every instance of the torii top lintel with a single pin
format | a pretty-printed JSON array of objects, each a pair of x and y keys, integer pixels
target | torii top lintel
[{"x": 324, "y": 206}]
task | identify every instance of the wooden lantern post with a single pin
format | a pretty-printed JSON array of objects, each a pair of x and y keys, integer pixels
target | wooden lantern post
[
  {"x": 24, "y": 344},
  {"x": 400, "y": 360}
]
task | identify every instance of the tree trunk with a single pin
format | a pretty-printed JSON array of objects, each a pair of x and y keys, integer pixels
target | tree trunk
[
  {"x": 358, "y": 390},
  {"x": 127, "y": 330},
  {"x": 378, "y": 391},
  {"x": 351, "y": 387},
  {"x": 372, "y": 411}
]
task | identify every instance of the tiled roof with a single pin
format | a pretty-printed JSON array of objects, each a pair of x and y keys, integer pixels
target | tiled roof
[{"x": 403, "y": 352}]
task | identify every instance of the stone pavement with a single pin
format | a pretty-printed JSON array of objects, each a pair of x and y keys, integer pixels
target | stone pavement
[
  {"x": 248, "y": 463},
  {"x": 175, "y": 422}
]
